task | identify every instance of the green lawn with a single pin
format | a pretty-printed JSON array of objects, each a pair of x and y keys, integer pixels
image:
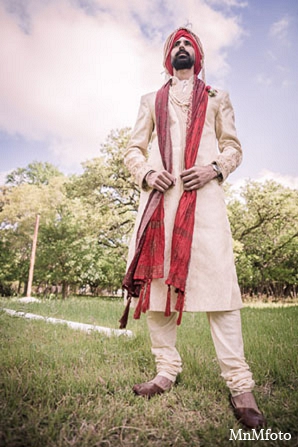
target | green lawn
[{"x": 61, "y": 387}]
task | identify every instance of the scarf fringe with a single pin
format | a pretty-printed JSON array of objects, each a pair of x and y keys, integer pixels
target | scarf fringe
[
  {"x": 146, "y": 302},
  {"x": 168, "y": 304},
  {"x": 123, "y": 320},
  {"x": 138, "y": 310},
  {"x": 144, "y": 299},
  {"x": 179, "y": 306}
]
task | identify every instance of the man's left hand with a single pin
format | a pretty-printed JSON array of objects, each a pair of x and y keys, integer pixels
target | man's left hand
[{"x": 197, "y": 176}]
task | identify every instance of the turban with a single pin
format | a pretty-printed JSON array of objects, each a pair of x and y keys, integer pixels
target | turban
[{"x": 169, "y": 44}]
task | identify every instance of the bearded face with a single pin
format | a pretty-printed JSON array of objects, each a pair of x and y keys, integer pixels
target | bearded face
[
  {"x": 182, "y": 54},
  {"x": 183, "y": 60}
]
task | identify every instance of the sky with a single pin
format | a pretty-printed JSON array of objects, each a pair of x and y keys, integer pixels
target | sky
[{"x": 71, "y": 71}]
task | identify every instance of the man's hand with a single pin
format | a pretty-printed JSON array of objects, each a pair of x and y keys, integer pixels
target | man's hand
[
  {"x": 161, "y": 180},
  {"x": 197, "y": 176}
]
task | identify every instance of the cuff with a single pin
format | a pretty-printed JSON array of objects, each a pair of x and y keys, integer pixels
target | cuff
[
  {"x": 217, "y": 169},
  {"x": 145, "y": 185}
]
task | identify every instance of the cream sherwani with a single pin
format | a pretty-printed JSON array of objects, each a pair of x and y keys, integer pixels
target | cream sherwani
[{"x": 212, "y": 282}]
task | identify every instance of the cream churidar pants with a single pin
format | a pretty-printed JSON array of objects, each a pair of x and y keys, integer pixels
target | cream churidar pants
[{"x": 227, "y": 338}]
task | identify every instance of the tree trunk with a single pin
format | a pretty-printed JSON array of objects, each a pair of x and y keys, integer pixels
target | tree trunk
[
  {"x": 25, "y": 288},
  {"x": 65, "y": 288}
]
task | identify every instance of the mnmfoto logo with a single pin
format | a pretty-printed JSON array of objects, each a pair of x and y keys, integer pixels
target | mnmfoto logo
[{"x": 256, "y": 436}]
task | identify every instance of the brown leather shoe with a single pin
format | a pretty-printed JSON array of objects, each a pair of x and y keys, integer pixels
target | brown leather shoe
[
  {"x": 147, "y": 389},
  {"x": 248, "y": 417}
]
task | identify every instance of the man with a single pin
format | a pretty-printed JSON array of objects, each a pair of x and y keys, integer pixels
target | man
[{"x": 184, "y": 145}]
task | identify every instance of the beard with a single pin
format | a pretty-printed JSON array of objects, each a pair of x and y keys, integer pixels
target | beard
[{"x": 182, "y": 63}]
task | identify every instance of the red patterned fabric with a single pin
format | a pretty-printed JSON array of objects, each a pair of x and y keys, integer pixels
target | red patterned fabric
[
  {"x": 148, "y": 261},
  {"x": 185, "y": 216}
]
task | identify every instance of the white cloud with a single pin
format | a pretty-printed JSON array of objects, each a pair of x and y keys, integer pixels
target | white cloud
[
  {"x": 282, "y": 69},
  {"x": 263, "y": 79},
  {"x": 74, "y": 76},
  {"x": 271, "y": 56},
  {"x": 3, "y": 176},
  {"x": 286, "y": 83},
  {"x": 287, "y": 181},
  {"x": 280, "y": 29},
  {"x": 70, "y": 79},
  {"x": 229, "y": 3}
]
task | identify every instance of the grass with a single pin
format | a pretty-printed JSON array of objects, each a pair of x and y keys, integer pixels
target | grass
[{"x": 61, "y": 387}]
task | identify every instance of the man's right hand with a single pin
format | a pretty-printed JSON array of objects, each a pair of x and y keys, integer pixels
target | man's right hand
[{"x": 161, "y": 180}]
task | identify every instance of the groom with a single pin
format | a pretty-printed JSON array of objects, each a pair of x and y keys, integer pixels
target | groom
[{"x": 183, "y": 147}]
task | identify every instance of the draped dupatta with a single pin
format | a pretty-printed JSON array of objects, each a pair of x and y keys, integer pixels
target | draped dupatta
[{"x": 148, "y": 261}]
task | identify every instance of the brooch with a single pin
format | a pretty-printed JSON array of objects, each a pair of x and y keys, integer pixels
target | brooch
[{"x": 211, "y": 91}]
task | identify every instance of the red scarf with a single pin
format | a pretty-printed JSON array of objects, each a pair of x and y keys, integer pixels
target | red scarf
[{"x": 148, "y": 261}]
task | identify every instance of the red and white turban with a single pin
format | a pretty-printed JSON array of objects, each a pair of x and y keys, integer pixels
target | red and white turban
[{"x": 199, "y": 53}]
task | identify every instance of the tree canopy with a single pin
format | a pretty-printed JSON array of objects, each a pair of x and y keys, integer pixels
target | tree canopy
[
  {"x": 86, "y": 222},
  {"x": 264, "y": 226},
  {"x": 36, "y": 173}
]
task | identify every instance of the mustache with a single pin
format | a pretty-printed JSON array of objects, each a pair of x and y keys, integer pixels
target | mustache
[{"x": 182, "y": 52}]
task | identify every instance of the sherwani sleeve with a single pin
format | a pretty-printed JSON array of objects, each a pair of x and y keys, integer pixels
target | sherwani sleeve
[
  {"x": 230, "y": 155},
  {"x": 136, "y": 153}
]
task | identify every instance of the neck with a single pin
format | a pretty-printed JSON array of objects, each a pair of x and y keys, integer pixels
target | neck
[{"x": 184, "y": 74}]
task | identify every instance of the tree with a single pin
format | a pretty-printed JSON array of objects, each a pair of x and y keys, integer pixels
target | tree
[
  {"x": 28, "y": 191},
  {"x": 85, "y": 221},
  {"x": 264, "y": 226},
  {"x": 65, "y": 251},
  {"x": 36, "y": 173},
  {"x": 20, "y": 206},
  {"x": 110, "y": 199},
  {"x": 7, "y": 267}
]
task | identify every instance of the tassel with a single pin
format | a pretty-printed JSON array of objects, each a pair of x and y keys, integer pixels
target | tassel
[
  {"x": 179, "y": 306},
  {"x": 168, "y": 304},
  {"x": 179, "y": 318},
  {"x": 180, "y": 300},
  {"x": 137, "y": 313},
  {"x": 146, "y": 302},
  {"x": 123, "y": 320}
]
